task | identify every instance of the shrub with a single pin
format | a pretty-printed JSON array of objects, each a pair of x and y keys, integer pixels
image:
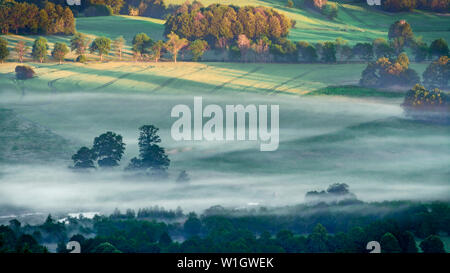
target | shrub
[
  {"x": 330, "y": 10},
  {"x": 24, "y": 72},
  {"x": 81, "y": 59}
]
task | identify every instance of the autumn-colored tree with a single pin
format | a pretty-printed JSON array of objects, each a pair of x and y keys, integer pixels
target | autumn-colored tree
[
  {"x": 174, "y": 44},
  {"x": 20, "y": 49},
  {"x": 59, "y": 51}
]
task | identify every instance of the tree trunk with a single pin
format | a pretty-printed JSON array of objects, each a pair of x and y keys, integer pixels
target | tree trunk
[{"x": 101, "y": 57}]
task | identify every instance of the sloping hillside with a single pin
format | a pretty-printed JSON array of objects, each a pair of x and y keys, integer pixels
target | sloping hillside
[{"x": 25, "y": 141}]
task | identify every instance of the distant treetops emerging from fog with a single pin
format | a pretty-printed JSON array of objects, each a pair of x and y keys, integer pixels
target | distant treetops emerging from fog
[{"x": 108, "y": 149}]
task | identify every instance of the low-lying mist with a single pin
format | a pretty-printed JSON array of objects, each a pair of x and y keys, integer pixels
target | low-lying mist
[{"x": 367, "y": 144}]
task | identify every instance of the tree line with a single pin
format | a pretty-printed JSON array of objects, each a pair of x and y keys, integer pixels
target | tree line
[
  {"x": 442, "y": 6},
  {"x": 296, "y": 230},
  {"x": 26, "y": 18}
]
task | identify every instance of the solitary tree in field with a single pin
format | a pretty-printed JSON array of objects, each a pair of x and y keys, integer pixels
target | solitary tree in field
[
  {"x": 108, "y": 149},
  {"x": 118, "y": 44},
  {"x": 60, "y": 50},
  {"x": 79, "y": 43},
  {"x": 141, "y": 45},
  {"x": 4, "y": 52},
  {"x": 102, "y": 45},
  {"x": 39, "y": 51},
  {"x": 174, "y": 44},
  {"x": 198, "y": 48},
  {"x": 21, "y": 49},
  {"x": 157, "y": 49}
]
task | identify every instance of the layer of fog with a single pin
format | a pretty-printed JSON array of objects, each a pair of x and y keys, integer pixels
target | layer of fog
[{"x": 389, "y": 167}]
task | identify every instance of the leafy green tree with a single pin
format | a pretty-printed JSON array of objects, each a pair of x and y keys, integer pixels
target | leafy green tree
[
  {"x": 401, "y": 29},
  {"x": 118, "y": 45},
  {"x": 421, "y": 51},
  {"x": 439, "y": 48},
  {"x": 174, "y": 44},
  {"x": 84, "y": 158},
  {"x": 381, "y": 48},
  {"x": 165, "y": 239},
  {"x": 141, "y": 45},
  {"x": 108, "y": 149},
  {"x": 152, "y": 157},
  {"x": 389, "y": 243},
  {"x": 79, "y": 43},
  {"x": 437, "y": 74},
  {"x": 330, "y": 10},
  {"x": 329, "y": 52},
  {"x": 59, "y": 51},
  {"x": 407, "y": 242},
  {"x": 102, "y": 45},
  {"x": 193, "y": 225},
  {"x": 307, "y": 51},
  {"x": 4, "y": 52},
  {"x": 157, "y": 49},
  {"x": 318, "y": 240},
  {"x": 432, "y": 244},
  {"x": 39, "y": 51},
  {"x": 364, "y": 51},
  {"x": 198, "y": 48},
  {"x": 400, "y": 35}
]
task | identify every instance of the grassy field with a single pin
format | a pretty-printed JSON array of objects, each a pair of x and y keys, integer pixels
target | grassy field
[{"x": 355, "y": 22}]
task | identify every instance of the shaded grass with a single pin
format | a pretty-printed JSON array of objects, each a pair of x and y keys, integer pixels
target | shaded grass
[{"x": 355, "y": 91}]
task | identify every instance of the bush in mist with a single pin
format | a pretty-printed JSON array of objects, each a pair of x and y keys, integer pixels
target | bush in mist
[{"x": 24, "y": 72}]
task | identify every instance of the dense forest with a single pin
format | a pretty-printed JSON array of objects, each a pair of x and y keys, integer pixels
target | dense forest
[
  {"x": 319, "y": 227},
  {"x": 25, "y": 18}
]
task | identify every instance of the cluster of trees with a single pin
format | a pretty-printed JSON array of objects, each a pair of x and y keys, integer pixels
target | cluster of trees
[
  {"x": 222, "y": 25},
  {"x": 108, "y": 149},
  {"x": 388, "y": 72},
  {"x": 336, "y": 193},
  {"x": 421, "y": 98},
  {"x": 408, "y": 5},
  {"x": 26, "y": 18},
  {"x": 327, "y": 230},
  {"x": 430, "y": 105}
]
